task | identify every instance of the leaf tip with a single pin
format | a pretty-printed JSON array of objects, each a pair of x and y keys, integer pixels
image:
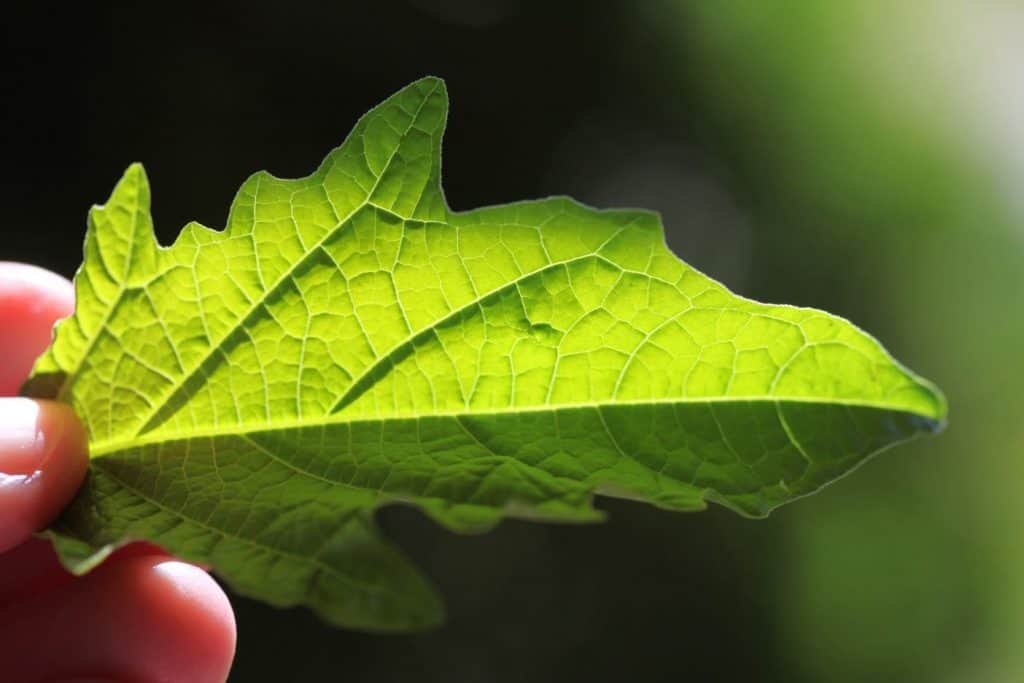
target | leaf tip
[
  {"x": 938, "y": 406},
  {"x": 131, "y": 188},
  {"x": 135, "y": 170},
  {"x": 419, "y": 92},
  {"x": 926, "y": 401},
  {"x": 134, "y": 176},
  {"x": 430, "y": 82}
]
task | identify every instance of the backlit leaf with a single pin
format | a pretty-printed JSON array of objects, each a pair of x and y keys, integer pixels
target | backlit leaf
[{"x": 252, "y": 395}]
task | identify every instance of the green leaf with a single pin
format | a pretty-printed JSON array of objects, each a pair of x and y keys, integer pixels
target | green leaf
[{"x": 348, "y": 341}]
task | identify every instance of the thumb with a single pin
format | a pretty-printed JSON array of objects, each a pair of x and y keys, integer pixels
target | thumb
[{"x": 42, "y": 463}]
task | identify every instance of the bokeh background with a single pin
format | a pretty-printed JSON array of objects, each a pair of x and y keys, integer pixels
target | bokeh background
[{"x": 862, "y": 156}]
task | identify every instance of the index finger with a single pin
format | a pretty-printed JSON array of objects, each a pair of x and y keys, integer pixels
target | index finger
[{"x": 31, "y": 301}]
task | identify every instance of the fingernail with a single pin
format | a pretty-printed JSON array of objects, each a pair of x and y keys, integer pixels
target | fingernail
[{"x": 27, "y": 436}]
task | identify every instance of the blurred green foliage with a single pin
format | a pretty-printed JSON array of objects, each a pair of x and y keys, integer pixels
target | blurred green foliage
[{"x": 860, "y": 120}]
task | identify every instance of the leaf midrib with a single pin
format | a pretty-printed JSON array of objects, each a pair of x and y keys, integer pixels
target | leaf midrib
[{"x": 102, "y": 448}]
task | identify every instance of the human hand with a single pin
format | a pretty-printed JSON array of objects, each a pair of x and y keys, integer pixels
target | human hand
[{"x": 141, "y": 616}]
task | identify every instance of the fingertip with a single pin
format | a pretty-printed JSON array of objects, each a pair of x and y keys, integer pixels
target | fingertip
[
  {"x": 200, "y": 602},
  {"x": 173, "y": 623},
  {"x": 43, "y": 460},
  {"x": 56, "y": 290},
  {"x": 31, "y": 301},
  {"x": 145, "y": 618}
]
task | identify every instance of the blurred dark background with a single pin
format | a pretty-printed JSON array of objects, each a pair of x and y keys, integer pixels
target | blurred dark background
[{"x": 864, "y": 157}]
